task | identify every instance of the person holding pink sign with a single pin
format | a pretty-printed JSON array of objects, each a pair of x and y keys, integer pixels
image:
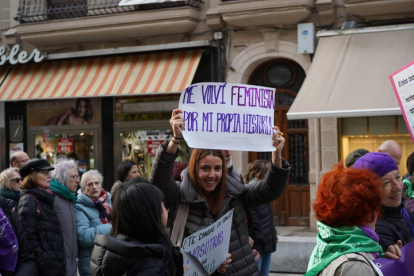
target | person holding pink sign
[{"x": 204, "y": 188}]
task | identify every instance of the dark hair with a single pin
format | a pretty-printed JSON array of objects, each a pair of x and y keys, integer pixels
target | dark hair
[
  {"x": 89, "y": 109},
  {"x": 257, "y": 170},
  {"x": 137, "y": 214},
  {"x": 348, "y": 197},
  {"x": 123, "y": 169},
  {"x": 410, "y": 163},
  {"x": 214, "y": 198}
]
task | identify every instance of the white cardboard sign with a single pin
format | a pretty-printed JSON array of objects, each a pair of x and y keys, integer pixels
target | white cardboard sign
[
  {"x": 209, "y": 245},
  {"x": 228, "y": 116},
  {"x": 403, "y": 83}
]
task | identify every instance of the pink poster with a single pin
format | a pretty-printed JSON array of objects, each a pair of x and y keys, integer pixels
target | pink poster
[{"x": 403, "y": 83}]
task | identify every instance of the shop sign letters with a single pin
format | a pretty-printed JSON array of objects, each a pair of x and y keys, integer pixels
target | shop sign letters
[{"x": 15, "y": 56}]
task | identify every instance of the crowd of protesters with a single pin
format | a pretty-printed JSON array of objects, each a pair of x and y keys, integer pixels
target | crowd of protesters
[{"x": 58, "y": 220}]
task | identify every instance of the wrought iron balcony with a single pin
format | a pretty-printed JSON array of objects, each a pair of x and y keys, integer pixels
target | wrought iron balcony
[{"x": 44, "y": 10}]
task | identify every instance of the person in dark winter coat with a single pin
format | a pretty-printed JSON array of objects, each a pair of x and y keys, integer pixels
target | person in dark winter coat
[
  {"x": 256, "y": 237},
  {"x": 138, "y": 243},
  {"x": 258, "y": 170},
  {"x": 38, "y": 219},
  {"x": 205, "y": 188},
  {"x": 396, "y": 222},
  {"x": 24, "y": 263},
  {"x": 10, "y": 181},
  {"x": 65, "y": 180}
]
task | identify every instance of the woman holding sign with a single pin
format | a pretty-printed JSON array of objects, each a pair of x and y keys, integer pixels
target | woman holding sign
[{"x": 210, "y": 196}]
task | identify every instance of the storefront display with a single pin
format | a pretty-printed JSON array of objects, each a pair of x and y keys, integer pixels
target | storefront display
[
  {"x": 67, "y": 128},
  {"x": 140, "y": 146},
  {"x": 142, "y": 124},
  {"x": 369, "y": 132},
  {"x": 51, "y": 146}
]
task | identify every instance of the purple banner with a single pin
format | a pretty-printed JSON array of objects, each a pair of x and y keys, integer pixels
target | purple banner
[{"x": 403, "y": 266}]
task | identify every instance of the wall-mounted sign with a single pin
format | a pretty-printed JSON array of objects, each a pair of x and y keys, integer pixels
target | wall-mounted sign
[{"x": 15, "y": 56}]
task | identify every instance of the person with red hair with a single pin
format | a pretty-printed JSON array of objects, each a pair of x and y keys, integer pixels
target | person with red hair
[{"x": 347, "y": 204}]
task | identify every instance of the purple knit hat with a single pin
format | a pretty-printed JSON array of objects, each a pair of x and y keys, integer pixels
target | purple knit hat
[{"x": 378, "y": 162}]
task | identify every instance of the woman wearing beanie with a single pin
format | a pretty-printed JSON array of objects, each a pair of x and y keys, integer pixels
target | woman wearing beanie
[
  {"x": 396, "y": 222},
  {"x": 347, "y": 242}
]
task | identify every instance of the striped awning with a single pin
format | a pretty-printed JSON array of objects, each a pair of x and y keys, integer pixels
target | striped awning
[{"x": 106, "y": 76}]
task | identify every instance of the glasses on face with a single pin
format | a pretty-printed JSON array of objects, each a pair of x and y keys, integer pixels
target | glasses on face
[
  {"x": 45, "y": 173},
  {"x": 74, "y": 177},
  {"x": 17, "y": 180}
]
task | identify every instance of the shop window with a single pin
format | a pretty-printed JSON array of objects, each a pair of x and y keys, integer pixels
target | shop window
[
  {"x": 75, "y": 145},
  {"x": 370, "y": 132},
  {"x": 140, "y": 146}
]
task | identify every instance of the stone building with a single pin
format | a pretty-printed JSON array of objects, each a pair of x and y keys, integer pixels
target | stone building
[{"x": 340, "y": 94}]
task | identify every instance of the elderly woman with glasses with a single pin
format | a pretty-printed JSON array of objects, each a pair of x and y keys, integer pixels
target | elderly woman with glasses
[
  {"x": 65, "y": 180},
  {"x": 10, "y": 181},
  {"x": 38, "y": 218},
  {"x": 92, "y": 216}
]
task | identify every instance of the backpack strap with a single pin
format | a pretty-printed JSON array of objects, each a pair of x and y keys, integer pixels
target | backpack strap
[
  {"x": 335, "y": 264},
  {"x": 179, "y": 224},
  {"x": 37, "y": 202}
]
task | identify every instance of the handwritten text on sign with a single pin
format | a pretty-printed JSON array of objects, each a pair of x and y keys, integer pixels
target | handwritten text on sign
[
  {"x": 403, "y": 84},
  {"x": 209, "y": 245},
  {"x": 228, "y": 116}
]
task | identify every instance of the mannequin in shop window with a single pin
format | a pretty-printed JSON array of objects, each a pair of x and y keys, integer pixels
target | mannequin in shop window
[{"x": 80, "y": 115}]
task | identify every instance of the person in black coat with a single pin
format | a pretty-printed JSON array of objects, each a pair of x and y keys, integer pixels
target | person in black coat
[
  {"x": 258, "y": 170},
  {"x": 25, "y": 261},
  {"x": 39, "y": 220},
  {"x": 395, "y": 224},
  {"x": 138, "y": 244}
]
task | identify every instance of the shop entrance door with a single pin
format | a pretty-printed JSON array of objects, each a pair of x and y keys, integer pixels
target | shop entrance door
[{"x": 293, "y": 207}]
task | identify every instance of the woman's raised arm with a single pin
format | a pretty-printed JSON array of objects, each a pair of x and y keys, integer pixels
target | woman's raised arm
[{"x": 177, "y": 126}]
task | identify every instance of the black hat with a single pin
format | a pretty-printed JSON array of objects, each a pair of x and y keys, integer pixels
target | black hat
[{"x": 35, "y": 165}]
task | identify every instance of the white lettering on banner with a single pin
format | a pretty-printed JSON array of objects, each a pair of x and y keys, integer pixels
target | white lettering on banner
[{"x": 15, "y": 56}]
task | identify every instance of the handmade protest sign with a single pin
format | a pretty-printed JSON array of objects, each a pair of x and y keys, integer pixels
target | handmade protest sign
[
  {"x": 209, "y": 245},
  {"x": 402, "y": 266},
  {"x": 403, "y": 83},
  {"x": 228, "y": 116}
]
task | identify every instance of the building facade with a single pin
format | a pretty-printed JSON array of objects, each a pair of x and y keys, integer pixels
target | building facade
[{"x": 128, "y": 65}]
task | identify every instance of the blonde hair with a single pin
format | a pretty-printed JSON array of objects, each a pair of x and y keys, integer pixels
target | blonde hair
[{"x": 6, "y": 176}]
